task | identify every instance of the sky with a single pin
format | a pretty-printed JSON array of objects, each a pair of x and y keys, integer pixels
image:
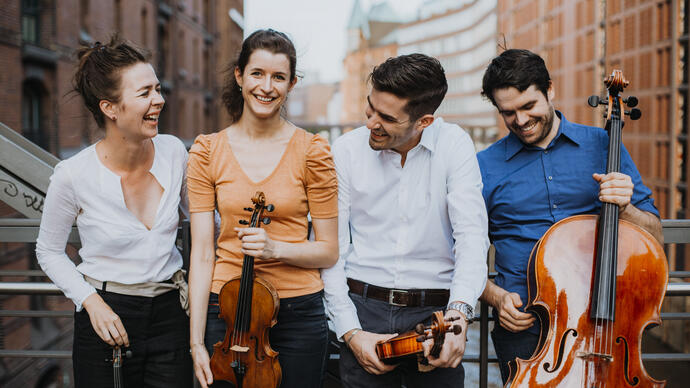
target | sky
[{"x": 316, "y": 27}]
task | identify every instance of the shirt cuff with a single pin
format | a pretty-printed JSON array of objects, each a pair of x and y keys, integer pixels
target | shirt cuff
[
  {"x": 83, "y": 294},
  {"x": 345, "y": 324}
]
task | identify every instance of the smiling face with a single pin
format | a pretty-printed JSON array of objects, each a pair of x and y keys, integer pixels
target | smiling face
[
  {"x": 527, "y": 114},
  {"x": 140, "y": 102},
  {"x": 390, "y": 127},
  {"x": 265, "y": 83}
]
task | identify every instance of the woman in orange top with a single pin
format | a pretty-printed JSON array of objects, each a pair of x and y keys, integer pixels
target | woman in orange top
[{"x": 261, "y": 151}]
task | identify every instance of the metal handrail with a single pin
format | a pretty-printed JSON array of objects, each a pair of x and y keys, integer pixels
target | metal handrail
[{"x": 675, "y": 231}]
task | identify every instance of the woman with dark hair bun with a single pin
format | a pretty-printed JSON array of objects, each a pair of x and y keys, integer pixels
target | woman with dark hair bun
[
  {"x": 125, "y": 193},
  {"x": 261, "y": 151}
]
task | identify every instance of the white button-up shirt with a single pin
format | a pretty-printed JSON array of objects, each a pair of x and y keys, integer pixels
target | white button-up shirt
[
  {"x": 116, "y": 246},
  {"x": 423, "y": 225}
]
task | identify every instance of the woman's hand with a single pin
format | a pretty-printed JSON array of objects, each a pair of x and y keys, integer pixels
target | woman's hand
[
  {"x": 255, "y": 242},
  {"x": 202, "y": 365},
  {"x": 105, "y": 322}
]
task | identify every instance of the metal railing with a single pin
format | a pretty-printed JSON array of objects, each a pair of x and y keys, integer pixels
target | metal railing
[{"x": 26, "y": 230}]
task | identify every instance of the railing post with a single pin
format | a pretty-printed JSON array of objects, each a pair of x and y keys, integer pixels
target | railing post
[{"x": 483, "y": 345}]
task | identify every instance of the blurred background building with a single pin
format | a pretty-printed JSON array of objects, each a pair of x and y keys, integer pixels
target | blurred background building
[{"x": 191, "y": 42}]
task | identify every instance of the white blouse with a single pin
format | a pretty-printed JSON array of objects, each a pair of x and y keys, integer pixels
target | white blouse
[{"x": 116, "y": 246}]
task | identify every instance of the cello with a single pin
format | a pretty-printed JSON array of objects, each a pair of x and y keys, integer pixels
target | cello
[
  {"x": 249, "y": 305},
  {"x": 595, "y": 283}
]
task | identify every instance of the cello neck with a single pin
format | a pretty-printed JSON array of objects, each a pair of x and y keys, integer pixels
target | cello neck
[{"x": 604, "y": 287}]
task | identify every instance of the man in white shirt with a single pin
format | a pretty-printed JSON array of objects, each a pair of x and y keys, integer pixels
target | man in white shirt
[{"x": 412, "y": 228}]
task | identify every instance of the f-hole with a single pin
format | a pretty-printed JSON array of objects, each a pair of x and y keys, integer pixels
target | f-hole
[
  {"x": 560, "y": 352},
  {"x": 635, "y": 380}
]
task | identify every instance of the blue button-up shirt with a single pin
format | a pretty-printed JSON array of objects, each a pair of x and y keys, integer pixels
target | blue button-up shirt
[{"x": 527, "y": 189}]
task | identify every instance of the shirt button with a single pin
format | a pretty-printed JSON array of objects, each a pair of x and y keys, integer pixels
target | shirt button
[
  {"x": 555, "y": 206},
  {"x": 550, "y": 177}
]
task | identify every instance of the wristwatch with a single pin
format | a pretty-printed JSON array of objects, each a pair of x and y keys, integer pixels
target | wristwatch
[{"x": 463, "y": 308}]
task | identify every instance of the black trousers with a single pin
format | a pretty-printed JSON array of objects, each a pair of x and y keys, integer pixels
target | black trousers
[
  {"x": 300, "y": 337},
  {"x": 509, "y": 346},
  {"x": 158, "y": 331},
  {"x": 380, "y": 317}
]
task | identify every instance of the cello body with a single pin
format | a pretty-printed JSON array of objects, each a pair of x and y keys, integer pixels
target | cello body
[{"x": 560, "y": 275}]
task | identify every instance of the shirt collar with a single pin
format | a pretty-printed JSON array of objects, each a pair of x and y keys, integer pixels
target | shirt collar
[
  {"x": 565, "y": 128},
  {"x": 430, "y": 133}
]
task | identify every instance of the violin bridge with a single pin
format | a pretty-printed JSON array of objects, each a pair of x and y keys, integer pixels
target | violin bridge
[
  {"x": 239, "y": 349},
  {"x": 590, "y": 355}
]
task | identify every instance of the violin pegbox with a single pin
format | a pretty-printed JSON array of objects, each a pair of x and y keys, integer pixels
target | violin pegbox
[{"x": 259, "y": 200}]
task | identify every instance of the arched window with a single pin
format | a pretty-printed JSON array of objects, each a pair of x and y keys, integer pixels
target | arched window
[{"x": 33, "y": 127}]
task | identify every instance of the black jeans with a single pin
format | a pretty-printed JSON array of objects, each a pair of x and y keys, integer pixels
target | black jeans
[
  {"x": 158, "y": 331},
  {"x": 509, "y": 345},
  {"x": 380, "y": 317},
  {"x": 300, "y": 337}
]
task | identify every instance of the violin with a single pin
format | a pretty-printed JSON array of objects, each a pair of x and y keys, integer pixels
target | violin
[
  {"x": 249, "y": 305},
  {"x": 117, "y": 366},
  {"x": 595, "y": 283},
  {"x": 402, "y": 346}
]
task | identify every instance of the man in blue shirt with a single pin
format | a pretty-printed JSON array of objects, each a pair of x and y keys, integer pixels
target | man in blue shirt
[{"x": 545, "y": 170}]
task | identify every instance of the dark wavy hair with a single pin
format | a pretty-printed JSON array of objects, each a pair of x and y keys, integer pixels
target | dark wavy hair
[
  {"x": 98, "y": 74},
  {"x": 515, "y": 68},
  {"x": 416, "y": 77},
  {"x": 270, "y": 40}
]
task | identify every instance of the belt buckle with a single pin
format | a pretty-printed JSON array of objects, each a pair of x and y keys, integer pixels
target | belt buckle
[{"x": 391, "y": 297}]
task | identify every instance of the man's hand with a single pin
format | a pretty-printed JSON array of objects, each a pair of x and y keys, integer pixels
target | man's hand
[
  {"x": 105, "y": 322},
  {"x": 453, "y": 346},
  {"x": 363, "y": 346},
  {"x": 509, "y": 316},
  {"x": 616, "y": 188}
]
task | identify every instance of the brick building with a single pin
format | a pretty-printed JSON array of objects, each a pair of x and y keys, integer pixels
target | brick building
[{"x": 191, "y": 42}]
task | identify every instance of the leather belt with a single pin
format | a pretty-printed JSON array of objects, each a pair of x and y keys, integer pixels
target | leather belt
[{"x": 397, "y": 297}]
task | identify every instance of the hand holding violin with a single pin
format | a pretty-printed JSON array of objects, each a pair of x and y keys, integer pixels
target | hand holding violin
[
  {"x": 453, "y": 346},
  {"x": 363, "y": 346}
]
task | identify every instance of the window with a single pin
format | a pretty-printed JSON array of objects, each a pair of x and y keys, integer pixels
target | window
[
  {"x": 31, "y": 13},
  {"x": 144, "y": 28},
  {"x": 118, "y": 15},
  {"x": 32, "y": 112},
  {"x": 84, "y": 18}
]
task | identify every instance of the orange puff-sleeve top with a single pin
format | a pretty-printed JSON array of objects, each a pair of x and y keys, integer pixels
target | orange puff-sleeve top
[{"x": 303, "y": 182}]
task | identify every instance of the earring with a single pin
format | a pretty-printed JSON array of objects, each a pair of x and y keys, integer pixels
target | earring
[{"x": 240, "y": 88}]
